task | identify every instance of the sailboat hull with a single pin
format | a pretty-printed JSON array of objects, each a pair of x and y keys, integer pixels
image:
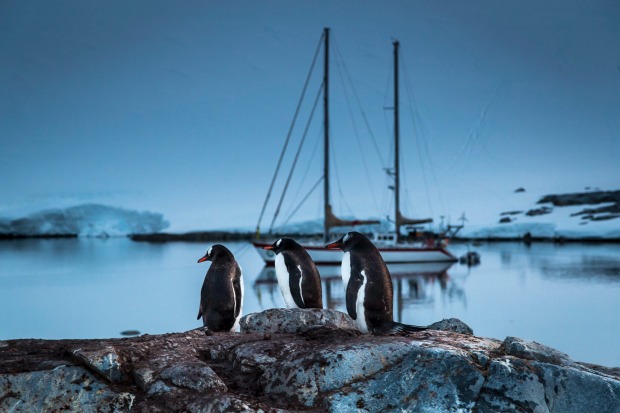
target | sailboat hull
[{"x": 391, "y": 255}]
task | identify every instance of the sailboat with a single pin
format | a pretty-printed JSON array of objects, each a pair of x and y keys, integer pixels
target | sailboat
[{"x": 390, "y": 246}]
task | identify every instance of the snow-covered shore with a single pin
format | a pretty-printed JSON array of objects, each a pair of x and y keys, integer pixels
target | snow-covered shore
[{"x": 581, "y": 215}]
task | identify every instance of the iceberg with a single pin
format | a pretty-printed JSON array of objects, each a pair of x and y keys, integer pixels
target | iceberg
[{"x": 87, "y": 220}]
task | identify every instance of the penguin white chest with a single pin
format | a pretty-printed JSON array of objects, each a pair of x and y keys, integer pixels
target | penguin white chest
[
  {"x": 359, "y": 305},
  {"x": 283, "y": 281},
  {"x": 240, "y": 300},
  {"x": 345, "y": 269}
]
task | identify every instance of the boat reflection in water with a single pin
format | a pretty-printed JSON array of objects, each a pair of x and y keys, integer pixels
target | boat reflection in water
[{"x": 412, "y": 285}]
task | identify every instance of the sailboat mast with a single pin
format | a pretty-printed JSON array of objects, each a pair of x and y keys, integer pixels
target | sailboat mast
[
  {"x": 396, "y": 147},
  {"x": 326, "y": 136}
]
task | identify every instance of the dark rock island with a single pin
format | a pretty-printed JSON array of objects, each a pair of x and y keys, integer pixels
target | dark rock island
[
  {"x": 301, "y": 360},
  {"x": 610, "y": 210}
]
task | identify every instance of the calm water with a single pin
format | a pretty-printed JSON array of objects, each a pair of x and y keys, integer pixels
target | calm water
[{"x": 567, "y": 297}]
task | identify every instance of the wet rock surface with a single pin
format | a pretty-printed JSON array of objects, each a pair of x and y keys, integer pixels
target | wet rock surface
[{"x": 320, "y": 367}]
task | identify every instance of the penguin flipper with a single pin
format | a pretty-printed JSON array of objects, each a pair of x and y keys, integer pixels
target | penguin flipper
[
  {"x": 295, "y": 280},
  {"x": 311, "y": 286},
  {"x": 406, "y": 328},
  {"x": 355, "y": 283}
]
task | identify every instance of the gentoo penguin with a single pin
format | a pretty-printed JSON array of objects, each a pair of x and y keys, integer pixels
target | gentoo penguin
[
  {"x": 368, "y": 285},
  {"x": 298, "y": 277},
  {"x": 221, "y": 296}
]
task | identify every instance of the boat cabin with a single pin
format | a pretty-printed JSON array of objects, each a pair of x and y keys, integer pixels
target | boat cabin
[{"x": 384, "y": 238}]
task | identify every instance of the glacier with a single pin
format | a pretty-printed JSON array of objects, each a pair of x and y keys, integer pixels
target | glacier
[{"x": 86, "y": 220}]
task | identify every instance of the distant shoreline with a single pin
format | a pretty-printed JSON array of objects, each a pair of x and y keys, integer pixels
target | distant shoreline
[
  {"x": 200, "y": 236},
  {"x": 207, "y": 236},
  {"x": 8, "y": 237}
]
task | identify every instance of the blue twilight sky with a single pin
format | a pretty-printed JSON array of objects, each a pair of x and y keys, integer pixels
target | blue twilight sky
[{"x": 183, "y": 107}]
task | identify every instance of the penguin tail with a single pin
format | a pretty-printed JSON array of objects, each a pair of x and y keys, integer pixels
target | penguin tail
[
  {"x": 407, "y": 328},
  {"x": 203, "y": 328}
]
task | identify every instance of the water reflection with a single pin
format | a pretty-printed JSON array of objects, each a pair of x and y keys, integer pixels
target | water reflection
[
  {"x": 93, "y": 288},
  {"x": 591, "y": 263},
  {"x": 413, "y": 284},
  {"x": 592, "y": 268},
  {"x": 266, "y": 285}
]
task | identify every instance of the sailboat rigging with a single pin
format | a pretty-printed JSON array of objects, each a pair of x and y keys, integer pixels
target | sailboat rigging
[
  {"x": 399, "y": 220},
  {"x": 396, "y": 253}
]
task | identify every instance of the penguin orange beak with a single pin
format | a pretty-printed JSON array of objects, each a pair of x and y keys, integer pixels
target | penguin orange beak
[
  {"x": 334, "y": 245},
  {"x": 203, "y": 259},
  {"x": 268, "y": 247}
]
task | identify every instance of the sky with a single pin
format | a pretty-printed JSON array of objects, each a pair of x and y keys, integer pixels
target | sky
[{"x": 183, "y": 107}]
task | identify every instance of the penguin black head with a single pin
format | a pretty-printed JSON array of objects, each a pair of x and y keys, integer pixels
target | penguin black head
[
  {"x": 214, "y": 252},
  {"x": 282, "y": 244},
  {"x": 348, "y": 241}
]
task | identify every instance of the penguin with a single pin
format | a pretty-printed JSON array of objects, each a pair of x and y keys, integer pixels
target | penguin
[
  {"x": 297, "y": 274},
  {"x": 368, "y": 286},
  {"x": 221, "y": 296}
]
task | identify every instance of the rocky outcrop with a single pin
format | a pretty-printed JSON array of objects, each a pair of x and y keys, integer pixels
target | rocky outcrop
[
  {"x": 606, "y": 212},
  {"x": 539, "y": 211},
  {"x": 294, "y": 321},
  {"x": 582, "y": 198},
  {"x": 325, "y": 365}
]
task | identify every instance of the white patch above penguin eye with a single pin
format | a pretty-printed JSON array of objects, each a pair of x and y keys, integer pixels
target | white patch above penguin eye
[
  {"x": 346, "y": 237},
  {"x": 278, "y": 242},
  {"x": 209, "y": 252}
]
